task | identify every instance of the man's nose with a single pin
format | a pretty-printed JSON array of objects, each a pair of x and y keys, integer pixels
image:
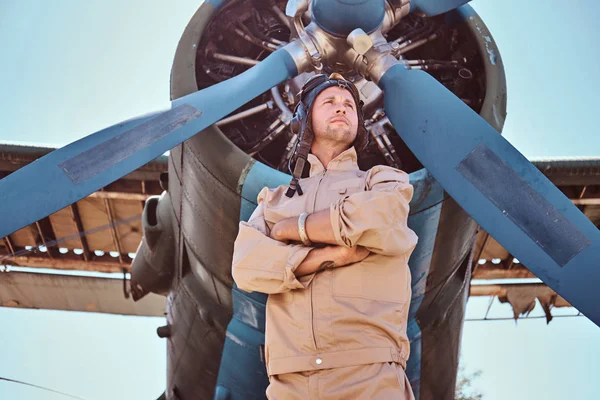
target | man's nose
[{"x": 340, "y": 109}]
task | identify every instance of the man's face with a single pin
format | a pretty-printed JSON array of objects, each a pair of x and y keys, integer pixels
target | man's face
[{"x": 334, "y": 116}]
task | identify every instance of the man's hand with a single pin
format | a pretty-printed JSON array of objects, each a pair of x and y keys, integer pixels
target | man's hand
[
  {"x": 286, "y": 229},
  {"x": 351, "y": 255}
]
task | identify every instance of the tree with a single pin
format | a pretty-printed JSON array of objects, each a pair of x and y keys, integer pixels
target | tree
[{"x": 464, "y": 389}]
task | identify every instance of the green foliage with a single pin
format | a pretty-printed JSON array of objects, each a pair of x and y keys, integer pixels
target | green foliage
[{"x": 464, "y": 389}]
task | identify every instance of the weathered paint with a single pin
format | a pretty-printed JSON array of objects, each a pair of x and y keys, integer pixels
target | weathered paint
[
  {"x": 525, "y": 206},
  {"x": 488, "y": 40},
  {"x": 493, "y": 109},
  {"x": 105, "y": 155}
]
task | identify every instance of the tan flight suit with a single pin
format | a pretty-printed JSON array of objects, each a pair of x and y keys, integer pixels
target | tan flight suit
[{"x": 339, "y": 333}]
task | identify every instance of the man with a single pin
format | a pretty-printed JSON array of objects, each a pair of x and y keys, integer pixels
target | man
[{"x": 332, "y": 251}]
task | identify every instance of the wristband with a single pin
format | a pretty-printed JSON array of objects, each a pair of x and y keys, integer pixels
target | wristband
[{"x": 302, "y": 229}]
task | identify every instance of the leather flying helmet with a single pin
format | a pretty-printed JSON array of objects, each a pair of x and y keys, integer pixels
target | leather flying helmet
[{"x": 302, "y": 126}]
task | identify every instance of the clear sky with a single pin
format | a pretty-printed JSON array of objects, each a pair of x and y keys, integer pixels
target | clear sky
[{"x": 69, "y": 68}]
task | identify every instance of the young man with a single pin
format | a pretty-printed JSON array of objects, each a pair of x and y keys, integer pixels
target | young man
[{"x": 332, "y": 251}]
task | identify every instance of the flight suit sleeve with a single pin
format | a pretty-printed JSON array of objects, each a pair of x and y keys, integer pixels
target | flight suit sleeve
[
  {"x": 263, "y": 264},
  {"x": 377, "y": 217}
]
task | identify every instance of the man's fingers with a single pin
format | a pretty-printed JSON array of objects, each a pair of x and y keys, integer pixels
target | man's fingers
[
  {"x": 362, "y": 252},
  {"x": 358, "y": 253}
]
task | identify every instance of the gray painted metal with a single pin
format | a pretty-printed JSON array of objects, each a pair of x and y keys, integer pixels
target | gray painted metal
[
  {"x": 152, "y": 268},
  {"x": 194, "y": 348},
  {"x": 426, "y": 207},
  {"x": 440, "y": 315},
  {"x": 494, "y": 103}
]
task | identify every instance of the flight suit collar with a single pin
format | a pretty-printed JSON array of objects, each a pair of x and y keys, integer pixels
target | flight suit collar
[{"x": 345, "y": 161}]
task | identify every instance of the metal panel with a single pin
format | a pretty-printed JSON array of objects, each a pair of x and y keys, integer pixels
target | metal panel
[
  {"x": 93, "y": 215},
  {"x": 73, "y": 293},
  {"x": 560, "y": 238},
  {"x": 105, "y": 155},
  {"x": 425, "y": 209},
  {"x": 212, "y": 167},
  {"x": 62, "y": 222},
  {"x": 24, "y": 237},
  {"x": 442, "y": 309}
]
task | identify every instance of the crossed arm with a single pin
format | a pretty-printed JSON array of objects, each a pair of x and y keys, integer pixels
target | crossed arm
[
  {"x": 264, "y": 261},
  {"x": 319, "y": 230},
  {"x": 371, "y": 221}
]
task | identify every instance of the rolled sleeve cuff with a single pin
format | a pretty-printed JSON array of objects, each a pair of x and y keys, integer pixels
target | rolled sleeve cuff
[
  {"x": 297, "y": 255},
  {"x": 334, "y": 219}
]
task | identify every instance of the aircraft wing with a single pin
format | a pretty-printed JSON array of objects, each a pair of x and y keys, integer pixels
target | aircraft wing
[
  {"x": 578, "y": 179},
  {"x": 99, "y": 233},
  {"x": 108, "y": 220},
  {"x": 74, "y": 293}
]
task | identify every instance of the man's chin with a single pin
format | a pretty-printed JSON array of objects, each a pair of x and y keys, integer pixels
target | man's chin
[
  {"x": 339, "y": 130},
  {"x": 339, "y": 134}
]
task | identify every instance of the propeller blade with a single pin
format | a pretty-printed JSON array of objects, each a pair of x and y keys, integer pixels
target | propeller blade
[
  {"x": 73, "y": 172},
  {"x": 435, "y": 7},
  {"x": 509, "y": 197}
]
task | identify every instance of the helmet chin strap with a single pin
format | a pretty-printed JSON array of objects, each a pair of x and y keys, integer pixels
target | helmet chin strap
[{"x": 301, "y": 160}]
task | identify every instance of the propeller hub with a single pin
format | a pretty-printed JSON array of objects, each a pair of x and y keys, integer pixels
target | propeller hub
[{"x": 340, "y": 17}]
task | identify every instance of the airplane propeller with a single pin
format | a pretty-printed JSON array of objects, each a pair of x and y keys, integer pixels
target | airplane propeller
[
  {"x": 71, "y": 173},
  {"x": 497, "y": 186},
  {"x": 482, "y": 171},
  {"x": 436, "y": 7}
]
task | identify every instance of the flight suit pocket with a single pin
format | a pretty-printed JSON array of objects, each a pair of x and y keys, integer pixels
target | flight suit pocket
[
  {"x": 371, "y": 280},
  {"x": 282, "y": 298},
  {"x": 348, "y": 186}
]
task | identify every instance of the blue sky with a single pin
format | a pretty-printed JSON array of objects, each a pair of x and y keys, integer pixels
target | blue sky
[{"x": 70, "y": 68}]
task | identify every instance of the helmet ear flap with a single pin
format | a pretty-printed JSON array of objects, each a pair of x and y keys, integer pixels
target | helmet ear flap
[
  {"x": 362, "y": 138},
  {"x": 296, "y": 122}
]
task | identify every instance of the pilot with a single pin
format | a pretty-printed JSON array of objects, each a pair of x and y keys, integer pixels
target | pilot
[{"x": 331, "y": 250}]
